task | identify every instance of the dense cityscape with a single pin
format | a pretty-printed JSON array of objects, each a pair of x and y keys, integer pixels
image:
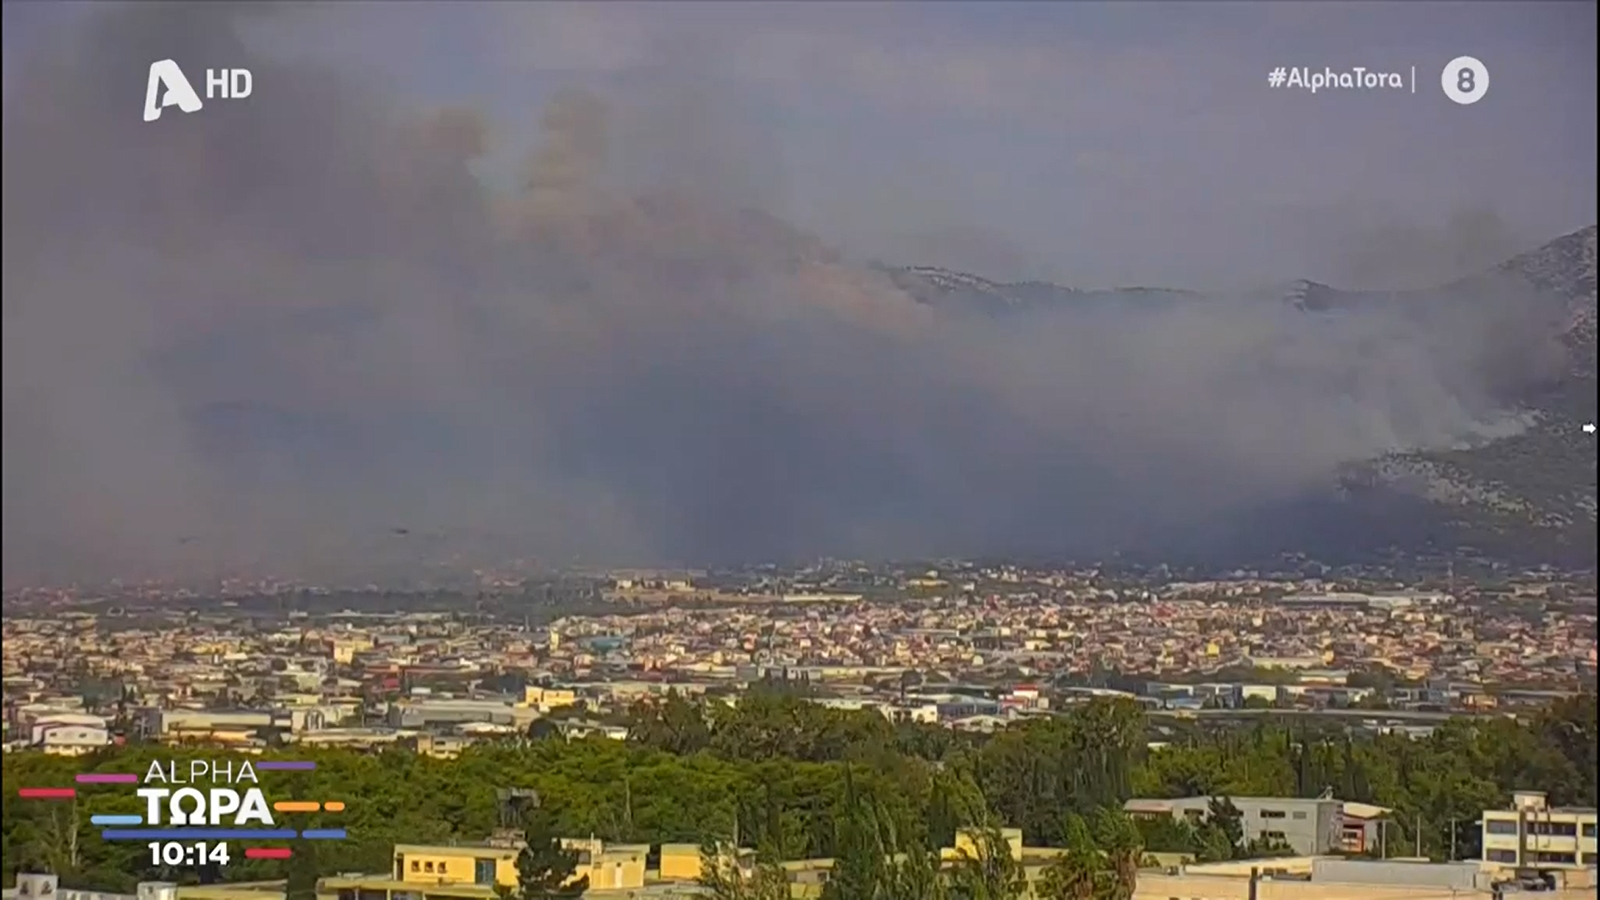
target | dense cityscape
[{"x": 1215, "y": 708}]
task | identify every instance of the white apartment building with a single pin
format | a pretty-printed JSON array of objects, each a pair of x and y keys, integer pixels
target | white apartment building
[{"x": 1534, "y": 835}]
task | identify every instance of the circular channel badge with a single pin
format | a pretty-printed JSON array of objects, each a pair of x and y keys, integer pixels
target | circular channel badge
[{"x": 1465, "y": 80}]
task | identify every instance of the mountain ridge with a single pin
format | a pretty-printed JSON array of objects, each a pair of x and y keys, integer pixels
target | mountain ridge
[{"x": 1524, "y": 496}]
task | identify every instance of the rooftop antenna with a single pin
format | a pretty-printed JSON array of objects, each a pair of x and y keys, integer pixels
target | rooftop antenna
[{"x": 514, "y": 805}]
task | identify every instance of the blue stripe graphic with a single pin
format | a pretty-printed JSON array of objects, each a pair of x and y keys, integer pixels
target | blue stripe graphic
[
  {"x": 323, "y": 834},
  {"x": 117, "y": 820}
]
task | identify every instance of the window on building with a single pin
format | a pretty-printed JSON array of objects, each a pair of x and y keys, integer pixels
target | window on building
[
  {"x": 483, "y": 871},
  {"x": 1557, "y": 859},
  {"x": 444, "y": 868},
  {"x": 1500, "y": 826},
  {"x": 427, "y": 866},
  {"x": 1557, "y": 829},
  {"x": 1272, "y": 814},
  {"x": 1299, "y": 815},
  {"x": 1272, "y": 835},
  {"x": 1500, "y": 856},
  {"x": 1588, "y": 829},
  {"x": 416, "y": 866}
]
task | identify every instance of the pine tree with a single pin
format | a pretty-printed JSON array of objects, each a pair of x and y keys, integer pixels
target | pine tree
[
  {"x": 1120, "y": 842},
  {"x": 545, "y": 868},
  {"x": 303, "y": 873},
  {"x": 991, "y": 873},
  {"x": 724, "y": 876},
  {"x": 872, "y": 862},
  {"x": 859, "y": 862},
  {"x": 913, "y": 873},
  {"x": 1073, "y": 874},
  {"x": 1226, "y": 816}
]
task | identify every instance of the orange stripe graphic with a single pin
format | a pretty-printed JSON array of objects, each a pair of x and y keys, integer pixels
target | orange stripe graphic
[{"x": 287, "y": 806}]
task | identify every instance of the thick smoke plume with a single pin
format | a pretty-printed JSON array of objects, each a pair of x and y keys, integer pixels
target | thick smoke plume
[{"x": 273, "y": 335}]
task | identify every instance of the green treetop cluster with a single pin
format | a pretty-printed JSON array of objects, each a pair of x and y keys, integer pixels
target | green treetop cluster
[{"x": 797, "y": 781}]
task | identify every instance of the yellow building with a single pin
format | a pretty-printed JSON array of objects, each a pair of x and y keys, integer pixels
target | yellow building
[
  {"x": 609, "y": 866},
  {"x": 682, "y": 862},
  {"x": 967, "y": 845},
  {"x": 437, "y": 746},
  {"x": 482, "y": 865},
  {"x": 1535, "y": 835},
  {"x": 472, "y": 871},
  {"x": 344, "y": 650},
  {"x": 546, "y": 699}
]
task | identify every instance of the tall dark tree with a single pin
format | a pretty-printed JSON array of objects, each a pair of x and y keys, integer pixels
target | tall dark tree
[
  {"x": 303, "y": 873},
  {"x": 1076, "y": 872},
  {"x": 988, "y": 871},
  {"x": 859, "y": 857},
  {"x": 913, "y": 871},
  {"x": 546, "y": 868},
  {"x": 1119, "y": 840},
  {"x": 726, "y": 874},
  {"x": 1227, "y": 818}
]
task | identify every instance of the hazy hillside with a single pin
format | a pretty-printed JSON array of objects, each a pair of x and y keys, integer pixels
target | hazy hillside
[
  {"x": 1526, "y": 495},
  {"x": 1532, "y": 494},
  {"x": 961, "y": 292}
]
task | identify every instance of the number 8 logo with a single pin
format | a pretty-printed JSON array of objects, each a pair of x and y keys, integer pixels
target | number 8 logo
[{"x": 1465, "y": 80}]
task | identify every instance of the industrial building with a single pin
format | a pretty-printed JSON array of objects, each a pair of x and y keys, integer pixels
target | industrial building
[{"x": 1310, "y": 827}]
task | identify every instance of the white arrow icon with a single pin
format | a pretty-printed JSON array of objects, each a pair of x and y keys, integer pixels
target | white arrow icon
[{"x": 1588, "y": 428}]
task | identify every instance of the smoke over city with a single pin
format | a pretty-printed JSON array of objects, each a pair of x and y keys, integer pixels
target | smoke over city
[{"x": 271, "y": 335}]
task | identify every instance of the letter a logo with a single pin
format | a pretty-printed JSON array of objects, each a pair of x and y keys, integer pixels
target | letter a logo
[{"x": 178, "y": 92}]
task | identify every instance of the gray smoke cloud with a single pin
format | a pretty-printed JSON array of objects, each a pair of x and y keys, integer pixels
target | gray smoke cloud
[{"x": 263, "y": 337}]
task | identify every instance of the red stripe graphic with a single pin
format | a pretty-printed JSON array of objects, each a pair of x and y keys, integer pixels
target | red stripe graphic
[{"x": 47, "y": 793}]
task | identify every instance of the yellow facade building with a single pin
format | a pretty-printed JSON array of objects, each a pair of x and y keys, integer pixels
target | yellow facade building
[
  {"x": 967, "y": 845},
  {"x": 680, "y": 862},
  {"x": 683, "y": 863},
  {"x": 545, "y": 699},
  {"x": 473, "y": 871}
]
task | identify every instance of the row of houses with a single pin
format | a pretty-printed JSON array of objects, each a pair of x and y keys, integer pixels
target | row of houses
[{"x": 443, "y": 720}]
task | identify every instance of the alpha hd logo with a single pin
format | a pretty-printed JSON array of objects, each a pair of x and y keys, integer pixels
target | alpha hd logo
[
  {"x": 168, "y": 86},
  {"x": 184, "y": 802}
]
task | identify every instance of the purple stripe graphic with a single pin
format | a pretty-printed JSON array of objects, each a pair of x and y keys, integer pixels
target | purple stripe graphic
[
  {"x": 292, "y": 765},
  {"x": 108, "y": 778}
]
